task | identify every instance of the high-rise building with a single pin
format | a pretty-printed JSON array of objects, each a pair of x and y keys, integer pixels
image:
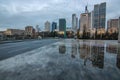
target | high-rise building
[
  {"x": 112, "y": 25},
  {"x": 54, "y": 26},
  {"x": 47, "y": 26},
  {"x": 92, "y": 19},
  {"x": 62, "y": 25},
  {"x": 100, "y": 15},
  {"x": 85, "y": 21},
  {"x": 74, "y": 23},
  {"x": 119, "y": 31}
]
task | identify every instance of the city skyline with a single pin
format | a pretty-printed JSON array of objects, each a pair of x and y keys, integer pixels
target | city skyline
[{"x": 15, "y": 15}]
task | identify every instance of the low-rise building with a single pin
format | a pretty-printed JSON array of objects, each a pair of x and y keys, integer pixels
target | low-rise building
[
  {"x": 2, "y": 35},
  {"x": 112, "y": 25},
  {"x": 29, "y": 31},
  {"x": 14, "y": 32}
]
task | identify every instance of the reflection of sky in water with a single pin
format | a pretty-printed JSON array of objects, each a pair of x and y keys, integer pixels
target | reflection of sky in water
[
  {"x": 97, "y": 54},
  {"x": 66, "y": 60}
]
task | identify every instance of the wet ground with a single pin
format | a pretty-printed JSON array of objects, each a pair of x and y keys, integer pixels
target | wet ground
[{"x": 66, "y": 60}]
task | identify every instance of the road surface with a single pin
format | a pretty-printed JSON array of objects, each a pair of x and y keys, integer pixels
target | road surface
[{"x": 11, "y": 49}]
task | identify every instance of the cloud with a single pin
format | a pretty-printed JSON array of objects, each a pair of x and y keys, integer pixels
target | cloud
[{"x": 20, "y": 13}]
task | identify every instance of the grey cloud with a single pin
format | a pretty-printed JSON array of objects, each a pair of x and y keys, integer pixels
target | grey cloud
[{"x": 19, "y": 13}]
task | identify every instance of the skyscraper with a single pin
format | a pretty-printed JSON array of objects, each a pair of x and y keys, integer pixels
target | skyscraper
[
  {"x": 47, "y": 26},
  {"x": 119, "y": 31},
  {"x": 85, "y": 21},
  {"x": 54, "y": 26},
  {"x": 62, "y": 24},
  {"x": 74, "y": 23},
  {"x": 100, "y": 15}
]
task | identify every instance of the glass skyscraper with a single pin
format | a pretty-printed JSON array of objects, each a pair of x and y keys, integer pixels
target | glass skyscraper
[
  {"x": 100, "y": 15},
  {"x": 74, "y": 23},
  {"x": 119, "y": 30},
  {"x": 54, "y": 26},
  {"x": 62, "y": 25}
]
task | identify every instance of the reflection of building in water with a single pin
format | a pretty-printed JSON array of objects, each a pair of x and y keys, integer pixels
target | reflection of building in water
[
  {"x": 74, "y": 49},
  {"x": 62, "y": 48},
  {"x": 84, "y": 51},
  {"x": 97, "y": 56},
  {"x": 111, "y": 49},
  {"x": 118, "y": 57}
]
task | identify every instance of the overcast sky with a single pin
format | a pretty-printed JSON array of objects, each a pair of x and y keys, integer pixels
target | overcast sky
[{"x": 20, "y": 13}]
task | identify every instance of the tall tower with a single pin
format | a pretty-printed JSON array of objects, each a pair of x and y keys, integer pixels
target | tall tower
[
  {"x": 85, "y": 21},
  {"x": 100, "y": 15},
  {"x": 54, "y": 26},
  {"x": 119, "y": 31},
  {"x": 74, "y": 23},
  {"x": 47, "y": 26},
  {"x": 62, "y": 26},
  {"x": 86, "y": 9}
]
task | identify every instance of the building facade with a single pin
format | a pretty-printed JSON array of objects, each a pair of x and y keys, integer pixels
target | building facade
[
  {"x": 100, "y": 15},
  {"x": 112, "y": 25},
  {"x": 85, "y": 21},
  {"x": 29, "y": 30},
  {"x": 119, "y": 31},
  {"x": 47, "y": 26},
  {"x": 74, "y": 23},
  {"x": 2, "y": 35},
  {"x": 54, "y": 26},
  {"x": 14, "y": 32},
  {"x": 62, "y": 25}
]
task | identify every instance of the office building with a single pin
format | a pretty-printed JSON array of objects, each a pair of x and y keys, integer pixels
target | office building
[
  {"x": 119, "y": 31},
  {"x": 85, "y": 21},
  {"x": 47, "y": 26},
  {"x": 14, "y": 32},
  {"x": 74, "y": 23},
  {"x": 100, "y": 15},
  {"x": 77, "y": 23},
  {"x": 62, "y": 24},
  {"x": 54, "y": 26},
  {"x": 62, "y": 27},
  {"x": 29, "y": 30},
  {"x": 2, "y": 35},
  {"x": 112, "y": 25}
]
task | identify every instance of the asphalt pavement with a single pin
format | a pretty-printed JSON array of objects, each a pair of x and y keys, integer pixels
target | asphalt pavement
[
  {"x": 8, "y": 50},
  {"x": 67, "y": 59}
]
